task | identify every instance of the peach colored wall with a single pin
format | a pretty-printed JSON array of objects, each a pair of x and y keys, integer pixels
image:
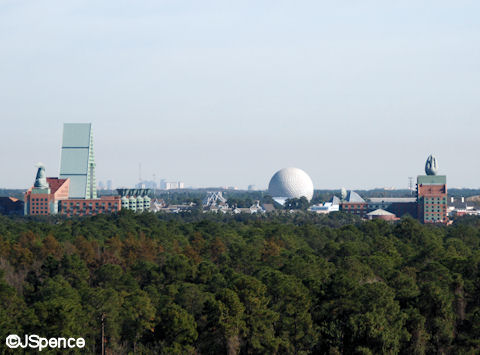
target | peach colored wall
[{"x": 90, "y": 207}]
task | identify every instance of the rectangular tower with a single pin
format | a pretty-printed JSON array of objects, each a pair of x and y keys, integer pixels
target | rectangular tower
[
  {"x": 432, "y": 198},
  {"x": 78, "y": 161}
]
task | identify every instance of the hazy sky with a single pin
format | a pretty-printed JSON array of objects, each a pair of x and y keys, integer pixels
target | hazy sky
[{"x": 356, "y": 93}]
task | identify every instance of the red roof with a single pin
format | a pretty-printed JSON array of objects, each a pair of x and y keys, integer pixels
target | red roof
[{"x": 55, "y": 184}]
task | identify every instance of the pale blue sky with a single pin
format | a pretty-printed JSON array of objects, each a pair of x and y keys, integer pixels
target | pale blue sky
[{"x": 356, "y": 93}]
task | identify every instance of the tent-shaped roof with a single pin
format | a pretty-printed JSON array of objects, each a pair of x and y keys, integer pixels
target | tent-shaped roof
[
  {"x": 335, "y": 200},
  {"x": 380, "y": 212},
  {"x": 352, "y": 196}
]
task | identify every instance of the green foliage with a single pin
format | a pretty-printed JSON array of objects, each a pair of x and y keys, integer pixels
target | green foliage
[
  {"x": 297, "y": 204},
  {"x": 216, "y": 284}
]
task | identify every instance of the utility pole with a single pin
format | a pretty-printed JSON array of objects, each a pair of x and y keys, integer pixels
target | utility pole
[{"x": 103, "y": 333}]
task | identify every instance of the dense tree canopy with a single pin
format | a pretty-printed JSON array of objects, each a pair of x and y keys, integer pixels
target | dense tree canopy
[{"x": 287, "y": 283}]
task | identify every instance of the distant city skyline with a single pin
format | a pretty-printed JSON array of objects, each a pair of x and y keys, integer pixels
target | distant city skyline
[{"x": 211, "y": 93}]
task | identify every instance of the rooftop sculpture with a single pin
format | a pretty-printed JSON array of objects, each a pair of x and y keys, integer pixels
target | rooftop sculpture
[{"x": 431, "y": 166}]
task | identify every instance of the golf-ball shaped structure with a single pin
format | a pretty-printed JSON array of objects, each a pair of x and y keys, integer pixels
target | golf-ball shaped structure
[{"x": 291, "y": 183}]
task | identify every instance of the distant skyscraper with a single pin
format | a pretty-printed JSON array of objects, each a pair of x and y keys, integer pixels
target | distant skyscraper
[
  {"x": 174, "y": 185},
  {"x": 171, "y": 185},
  {"x": 78, "y": 161},
  {"x": 146, "y": 184}
]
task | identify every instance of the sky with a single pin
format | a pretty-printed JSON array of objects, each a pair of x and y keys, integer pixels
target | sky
[{"x": 225, "y": 93}]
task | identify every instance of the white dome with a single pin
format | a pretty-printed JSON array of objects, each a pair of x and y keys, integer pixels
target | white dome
[{"x": 291, "y": 183}]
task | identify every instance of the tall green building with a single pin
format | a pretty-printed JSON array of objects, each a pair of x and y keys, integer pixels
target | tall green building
[{"x": 78, "y": 160}]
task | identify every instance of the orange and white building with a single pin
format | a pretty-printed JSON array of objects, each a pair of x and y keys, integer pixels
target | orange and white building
[{"x": 50, "y": 196}]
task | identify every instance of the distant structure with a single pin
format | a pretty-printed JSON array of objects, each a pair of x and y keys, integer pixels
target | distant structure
[
  {"x": 44, "y": 196},
  {"x": 399, "y": 206},
  {"x": 353, "y": 203},
  {"x": 146, "y": 184},
  {"x": 251, "y": 188},
  {"x": 461, "y": 206},
  {"x": 214, "y": 199},
  {"x": 432, "y": 194},
  {"x": 175, "y": 185},
  {"x": 429, "y": 205},
  {"x": 161, "y": 207},
  {"x": 78, "y": 161},
  {"x": 105, "y": 185},
  {"x": 171, "y": 185},
  {"x": 49, "y": 196},
  {"x": 75, "y": 192},
  {"x": 90, "y": 207},
  {"x": 137, "y": 200},
  {"x": 255, "y": 208},
  {"x": 410, "y": 184},
  {"x": 382, "y": 214},
  {"x": 268, "y": 207},
  {"x": 290, "y": 183},
  {"x": 331, "y": 206},
  {"x": 157, "y": 205},
  {"x": 216, "y": 202}
]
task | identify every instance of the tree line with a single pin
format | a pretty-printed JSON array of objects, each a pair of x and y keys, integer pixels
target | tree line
[{"x": 218, "y": 284}]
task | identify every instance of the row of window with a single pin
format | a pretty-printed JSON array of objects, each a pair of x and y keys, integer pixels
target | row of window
[
  {"x": 360, "y": 212},
  {"x": 90, "y": 209},
  {"x": 434, "y": 216},
  {"x": 81, "y": 214},
  {"x": 71, "y": 204}
]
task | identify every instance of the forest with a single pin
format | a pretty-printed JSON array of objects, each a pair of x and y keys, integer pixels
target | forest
[{"x": 285, "y": 283}]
